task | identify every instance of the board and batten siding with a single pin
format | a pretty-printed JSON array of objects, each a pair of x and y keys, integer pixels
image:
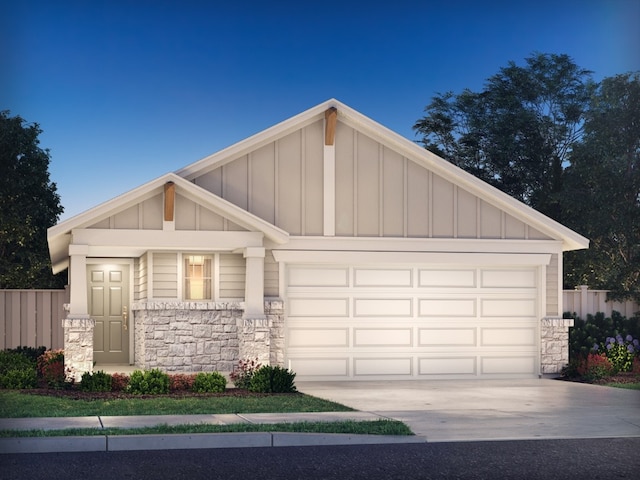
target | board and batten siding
[
  {"x": 281, "y": 182},
  {"x": 146, "y": 215}
]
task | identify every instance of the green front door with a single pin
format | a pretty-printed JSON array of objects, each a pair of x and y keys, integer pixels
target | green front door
[{"x": 109, "y": 307}]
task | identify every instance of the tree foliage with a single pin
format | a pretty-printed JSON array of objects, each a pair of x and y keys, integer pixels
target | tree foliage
[
  {"x": 601, "y": 198},
  {"x": 518, "y": 132},
  {"x": 29, "y": 205},
  {"x": 548, "y": 135}
]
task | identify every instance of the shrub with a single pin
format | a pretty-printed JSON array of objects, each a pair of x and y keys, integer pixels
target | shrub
[
  {"x": 211, "y": 382},
  {"x": 149, "y": 382},
  {"x": 180, "y": 382},
  {"x": 596, "y": 328},
  {"x": 19, "y": 378},
  {"x": 595, "y": 366},
  {"x": 243, "y": 372},
  {"x": 97, "y": 382},
  {"x": 119, "y": 382},
  {"x": 17, "y": 370},
  {"x": 31, "y": 353},
  {"x": 51, "y": 368},
  {"x": 621, "y": 351},
  {"x": 268, "y": 379}
]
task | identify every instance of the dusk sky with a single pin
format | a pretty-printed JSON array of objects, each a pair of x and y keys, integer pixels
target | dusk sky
[{"x": 126, "y": 91}]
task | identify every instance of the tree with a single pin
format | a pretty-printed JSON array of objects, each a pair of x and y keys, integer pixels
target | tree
[
  {"x": 518, "y": 132},
  {"x": 602, "y": 191},
  {"x": 29, "y": 205}
]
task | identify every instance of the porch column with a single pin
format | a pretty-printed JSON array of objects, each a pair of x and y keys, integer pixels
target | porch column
[
  {"x": 254, "y": 339},
  {"x": 78, "y": 326},
  {"x": 254, "y": 282}
]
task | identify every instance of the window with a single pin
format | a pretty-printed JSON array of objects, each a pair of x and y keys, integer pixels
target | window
[{"x": 197, "y": 277}]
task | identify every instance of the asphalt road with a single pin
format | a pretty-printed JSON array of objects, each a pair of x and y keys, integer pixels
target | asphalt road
[{"x": 528, "y": 460}]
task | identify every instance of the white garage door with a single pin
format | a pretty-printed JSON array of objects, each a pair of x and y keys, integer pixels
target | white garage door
[{"x": 352, "y": 322}]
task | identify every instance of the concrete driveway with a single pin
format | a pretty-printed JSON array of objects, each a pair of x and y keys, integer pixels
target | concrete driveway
[{"x": 450, "y": 410}]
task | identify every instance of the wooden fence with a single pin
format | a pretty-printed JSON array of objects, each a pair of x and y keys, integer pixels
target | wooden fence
[
  {"x": 583, "y": 302},
  {"x": 32, "y": 318}
]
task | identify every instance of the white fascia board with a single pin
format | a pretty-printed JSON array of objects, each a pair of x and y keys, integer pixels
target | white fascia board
[
  {"x": 428, "y": 245},
  {"x": 107, "y": 241},
  {"x": 257, "y": 140},
  {"x": 412, "y": 258}
]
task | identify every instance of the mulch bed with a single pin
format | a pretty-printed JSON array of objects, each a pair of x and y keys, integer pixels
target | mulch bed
[{"x": 622, "y": 377}]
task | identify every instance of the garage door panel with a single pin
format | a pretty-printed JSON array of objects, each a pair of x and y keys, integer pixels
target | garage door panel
[
  {"x": 382, "y": 366},
  {"x": 382, "y": 307},
  {"x": 318, "y": 277},
  {"x": 366, "y": 277},
  {"x": 382, "y": 337},
  {"x": 446, "y": 278},
  {"x": 318, "y": 337},
  {"x": 446, "y": 307},
  {"x": 318, "y": 307},
  {"x": 320, "y": 367},
  {"x": 508, "y": 279},
  {"x": 508, "y": 365},
  {"x": 504, "y": 307},
  {"x": 447, "y": 337},
  {"x": 508, "y": 336},
  {"x": 441, "y": 366}
]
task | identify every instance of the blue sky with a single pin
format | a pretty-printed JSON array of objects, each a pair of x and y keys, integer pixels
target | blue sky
[{"x": 126, "y": 91}]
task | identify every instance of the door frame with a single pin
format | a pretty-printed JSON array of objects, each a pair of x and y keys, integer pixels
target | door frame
[{"x": 121, "y": 261}]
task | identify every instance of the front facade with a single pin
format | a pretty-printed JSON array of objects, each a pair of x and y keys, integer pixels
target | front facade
[{"x": 326, "y": 244}]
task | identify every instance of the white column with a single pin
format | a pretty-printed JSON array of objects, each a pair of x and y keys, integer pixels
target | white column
[
  {"x": 254, "y": 282},
  {"x": 78, "y": 280}
]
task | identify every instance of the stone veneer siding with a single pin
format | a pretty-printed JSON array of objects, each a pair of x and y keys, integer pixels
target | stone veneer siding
[
  {"x": 554, "y": 334},
  {"x": 78, "y": 346},
  {"x": 205, "y": 336}
]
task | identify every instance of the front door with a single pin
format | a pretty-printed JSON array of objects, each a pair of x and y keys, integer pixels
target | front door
[{"x": 109, "y": 307}]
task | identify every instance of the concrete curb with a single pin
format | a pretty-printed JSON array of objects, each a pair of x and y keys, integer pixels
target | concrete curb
[{"x": 114, "y": 443}]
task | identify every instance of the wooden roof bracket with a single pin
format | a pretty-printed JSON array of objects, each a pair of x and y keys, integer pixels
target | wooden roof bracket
[
  {"x": 169, "y": 201},
  {"x": 331, "y": 118}
]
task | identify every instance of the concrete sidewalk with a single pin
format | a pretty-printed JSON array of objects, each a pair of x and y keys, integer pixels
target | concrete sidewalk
[{"x": 184, "y": 441}]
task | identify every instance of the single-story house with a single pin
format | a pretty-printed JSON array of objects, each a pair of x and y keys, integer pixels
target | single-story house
[{"x": 327, "y": 244}]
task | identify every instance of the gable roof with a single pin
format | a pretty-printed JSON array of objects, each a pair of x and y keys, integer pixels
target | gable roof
[
  {"x": 570, "y": 240},
  {"x": 59, "y": 236}
]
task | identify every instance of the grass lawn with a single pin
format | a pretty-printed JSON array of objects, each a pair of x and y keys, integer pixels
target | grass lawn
[
  {"x": 14, "y": 404},
  {"x": 375, "y": 427},
  {"x": 629, "y": 386}
]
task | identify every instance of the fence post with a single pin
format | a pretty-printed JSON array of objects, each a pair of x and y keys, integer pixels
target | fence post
[{"x": 584, "y": 300}]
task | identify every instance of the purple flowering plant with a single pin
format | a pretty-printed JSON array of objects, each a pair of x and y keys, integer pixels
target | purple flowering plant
[{"x": 620, "y": 350}]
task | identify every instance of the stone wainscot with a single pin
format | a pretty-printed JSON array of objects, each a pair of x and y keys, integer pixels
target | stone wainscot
[{"x": 205, "y": 336}]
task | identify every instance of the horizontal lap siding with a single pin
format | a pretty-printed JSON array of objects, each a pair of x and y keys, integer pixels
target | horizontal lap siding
[
  {"x": 232, "y": 276},
  {"x": 165, "y": 275},
  {"x": 32, "y": 318}
]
